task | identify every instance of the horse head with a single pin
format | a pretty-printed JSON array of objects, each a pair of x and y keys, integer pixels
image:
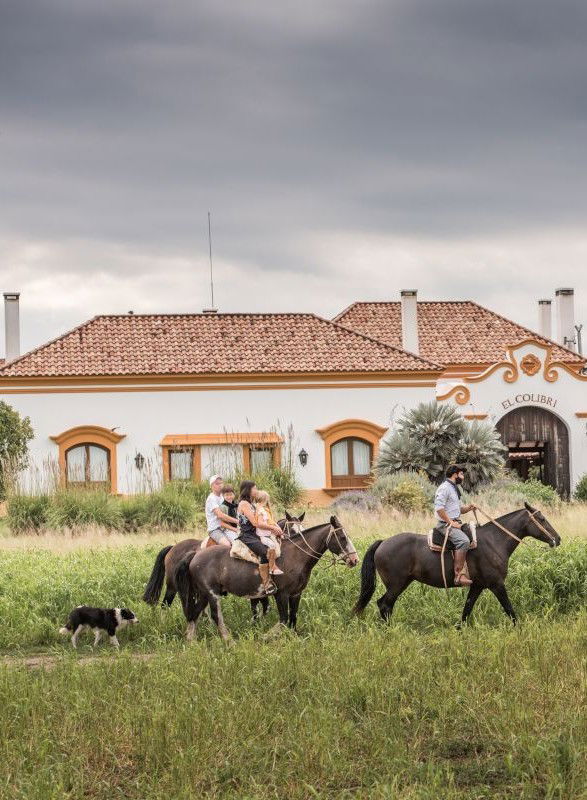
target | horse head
[
  {"x": 538, "y": 527},
  {"x": 292, "y": 524},
  {"x": 340, "y": 544}
]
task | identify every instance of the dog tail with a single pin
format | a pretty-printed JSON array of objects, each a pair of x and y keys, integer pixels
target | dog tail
[{"x": 155, "y": 584}]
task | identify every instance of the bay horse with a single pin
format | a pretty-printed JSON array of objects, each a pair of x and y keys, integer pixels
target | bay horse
[
  {"x": 203, "y": 578},
  {"x": 406, "y": 557},
  {"x": 169, "y": 558}
]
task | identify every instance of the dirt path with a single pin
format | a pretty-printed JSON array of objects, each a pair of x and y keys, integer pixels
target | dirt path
[{"x": 49, "y": 662}]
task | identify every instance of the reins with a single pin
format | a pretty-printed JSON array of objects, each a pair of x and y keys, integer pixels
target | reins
[
  {"x": 531, "y": 514},
  {"x": 315, "y": 554}
]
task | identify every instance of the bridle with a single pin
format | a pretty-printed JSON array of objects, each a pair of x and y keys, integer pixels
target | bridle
[
  {"x": 531, "y": 514},
  {"x": 311, "y": 552}
]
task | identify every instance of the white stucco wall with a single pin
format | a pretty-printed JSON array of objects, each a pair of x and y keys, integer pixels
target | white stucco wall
[{"x": 146, "y": 417}]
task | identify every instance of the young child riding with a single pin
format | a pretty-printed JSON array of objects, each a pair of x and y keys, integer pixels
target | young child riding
[
  {"x": 249, "y": 524},
  {"x": 265, "y": 514}
]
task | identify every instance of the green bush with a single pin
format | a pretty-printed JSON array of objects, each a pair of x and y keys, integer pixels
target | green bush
[
  {"x": 27, "y": 512},
  {"x": 537, "y": 492},
  {"x": 170, "y": 509},
  {"x": 431, "y": 436},
  {"x": 405, "y": 491},
  {"x": 356, "y": 500},
  {"x": 78, "y": 509},
  {"x": 282, "y": 484},
  {"x": 134, "y": 512},
  {"x": 581, "y": 489},
  {"x": 196, "y": 491}
]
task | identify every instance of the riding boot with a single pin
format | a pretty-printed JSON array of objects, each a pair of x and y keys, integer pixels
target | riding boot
[
  {"x": 461, "y": 578},
  {"x": 273, "y": 568},
  {"x": 268, "y": 585}
]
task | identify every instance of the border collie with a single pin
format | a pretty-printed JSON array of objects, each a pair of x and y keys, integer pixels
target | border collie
[{"x": 99, "y": 620}]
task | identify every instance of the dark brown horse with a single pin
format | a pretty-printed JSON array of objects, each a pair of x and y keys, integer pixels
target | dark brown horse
[
  {"x": 202, "y": 579},
  {"x": 169, "y": 558},
  {"x": 406, "y": 557}
]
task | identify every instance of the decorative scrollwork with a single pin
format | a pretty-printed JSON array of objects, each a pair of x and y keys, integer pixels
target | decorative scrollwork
[
  {"x": 530, "y": 364},
  {"x": 460, "y": 394}
]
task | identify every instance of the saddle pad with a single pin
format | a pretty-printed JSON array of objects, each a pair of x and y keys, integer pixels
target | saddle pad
[
  {"x": 240, "y": 550},
  {"x": 436, "y": 537}
]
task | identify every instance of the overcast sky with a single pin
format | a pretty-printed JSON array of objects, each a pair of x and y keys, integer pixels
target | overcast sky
[{"x": 345, "y": 149}]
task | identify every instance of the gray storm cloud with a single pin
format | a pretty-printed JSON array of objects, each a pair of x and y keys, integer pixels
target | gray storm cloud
[{"x": 345, "y": 150}]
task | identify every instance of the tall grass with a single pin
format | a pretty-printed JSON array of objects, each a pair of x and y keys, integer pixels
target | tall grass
[
  {"x": 380, "y": 713},
  {"x": 346, "y": 709}
]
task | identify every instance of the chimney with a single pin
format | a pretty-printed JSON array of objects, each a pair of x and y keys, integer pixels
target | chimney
[
  {"x": 545, "y": 318},
  {"x": 565, "y": 309},
  {"x": 11, "y": 325},
  {"x": 410, "y": 320}
]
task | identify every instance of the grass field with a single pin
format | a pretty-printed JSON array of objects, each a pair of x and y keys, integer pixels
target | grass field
[{"x": 345, "y": 709}]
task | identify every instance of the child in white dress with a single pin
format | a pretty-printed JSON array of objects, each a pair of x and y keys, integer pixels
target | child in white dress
[{"x": 265, "y": 514}]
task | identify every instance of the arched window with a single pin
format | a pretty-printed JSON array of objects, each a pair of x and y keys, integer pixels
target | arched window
[
  {"x": 350, "y": 462},
  {"x": 88, "y": 465},
  {"x": 87, "y": 456},
  {"x": 350, "y": 448}
]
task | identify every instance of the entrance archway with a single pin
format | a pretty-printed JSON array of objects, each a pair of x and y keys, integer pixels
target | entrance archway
[{"x": 537, "y": 436}]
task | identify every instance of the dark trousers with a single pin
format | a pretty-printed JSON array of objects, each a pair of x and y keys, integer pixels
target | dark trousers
[{"x": 255, "y": 545}]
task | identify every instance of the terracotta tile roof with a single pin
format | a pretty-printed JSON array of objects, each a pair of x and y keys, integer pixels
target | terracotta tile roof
[
  {"x": 456, "y": 332},
  {"x": 194, "y": 344}
]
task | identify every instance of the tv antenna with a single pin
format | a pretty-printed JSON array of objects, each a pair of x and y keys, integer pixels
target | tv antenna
[{"x": 212, "y": 309}]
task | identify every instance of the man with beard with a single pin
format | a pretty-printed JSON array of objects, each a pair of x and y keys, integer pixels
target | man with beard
[{"x": 448, "y": 509}]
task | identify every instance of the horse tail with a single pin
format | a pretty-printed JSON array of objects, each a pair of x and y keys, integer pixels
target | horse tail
[
  {"x": 155, "y": 584},
  {"x": 183, "y": 582},
  {"x": 368, "y": 578}
]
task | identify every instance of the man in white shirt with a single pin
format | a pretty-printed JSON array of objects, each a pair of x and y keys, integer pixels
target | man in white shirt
[
  {"x": 215, "y": 517},
  {"x": 448, "y": 509}
]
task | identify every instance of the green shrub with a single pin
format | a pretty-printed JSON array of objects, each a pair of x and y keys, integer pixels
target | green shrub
[
  {"x": 134, "y": 512},
  {"x": 282, "y": 484},
  {"x": 170, "y": 509},
  {"x": 581, "y": 489},
  {"x": 196, "y": 491},
  {"x": 78, "y": 509},
  {"x": 357, "y": 500},
  {"x": 537, "y": 492},
  {"x": 431, "y": 436},
  {"x": 27, "y": 512},
  {"x": 405, "y": 490}
]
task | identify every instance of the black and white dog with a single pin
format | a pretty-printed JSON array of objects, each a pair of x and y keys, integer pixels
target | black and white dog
[{"x": 99, "y": 620}]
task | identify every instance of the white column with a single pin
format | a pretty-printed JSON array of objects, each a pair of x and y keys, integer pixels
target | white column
[
  {"x": 545, "y": 318},
  {"x": 12, "y": 325},
  {"x": 565, "y": 309},
  {"x": 410, "y": 320}
]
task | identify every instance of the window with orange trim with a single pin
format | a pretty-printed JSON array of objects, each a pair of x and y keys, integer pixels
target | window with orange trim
[{"x": 350, "y": 462}]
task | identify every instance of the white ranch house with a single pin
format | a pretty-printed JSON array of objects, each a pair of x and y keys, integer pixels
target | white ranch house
[{"x": 132, "y": 400}]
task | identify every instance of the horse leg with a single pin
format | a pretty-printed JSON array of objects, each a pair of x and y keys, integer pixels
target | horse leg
[
  {"x": 169, "y": 596},
  {"x": 472, "y": 598},
  {"x": 200, "y": 606},
  {"x": 294, "y": 602},
  {"x": 216, "y": 612},
  {"x": 387, "y": 601},
  {"x": 255, "y": 610},
  {"x": 264, "y": 605},
  {"x": 282, "y": 607},
  {"x": 500, "y": 592}
]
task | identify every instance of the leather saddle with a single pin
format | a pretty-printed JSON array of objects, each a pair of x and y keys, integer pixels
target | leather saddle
[{"x": 436, "y": 537}]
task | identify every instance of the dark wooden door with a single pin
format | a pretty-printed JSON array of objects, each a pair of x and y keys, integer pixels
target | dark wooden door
[{"x": 532, "y": 424}]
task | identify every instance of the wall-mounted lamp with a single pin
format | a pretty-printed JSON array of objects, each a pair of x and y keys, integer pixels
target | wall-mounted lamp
[
  {"x": 303, "y": 456},
  {"x": 139, "y": 461}
]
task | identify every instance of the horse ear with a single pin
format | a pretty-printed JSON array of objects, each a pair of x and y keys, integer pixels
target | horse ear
[
  {"x": 287, "y": 516},
  {"x": 301, "y": 517},
  {"x": 333, "y": 521},
  {"x": 529, "y": 508}
]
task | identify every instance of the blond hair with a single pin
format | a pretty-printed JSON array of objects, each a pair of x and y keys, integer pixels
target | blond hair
[{"x": 263, "y": 499}]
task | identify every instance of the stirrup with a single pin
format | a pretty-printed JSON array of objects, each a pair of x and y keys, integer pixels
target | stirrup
[
  {"x": 462, "y": 579},
  {"x": 269, "y": 589}
]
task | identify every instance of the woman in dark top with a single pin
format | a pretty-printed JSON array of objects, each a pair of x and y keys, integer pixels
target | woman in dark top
[{"x": 248, "y": 524}]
